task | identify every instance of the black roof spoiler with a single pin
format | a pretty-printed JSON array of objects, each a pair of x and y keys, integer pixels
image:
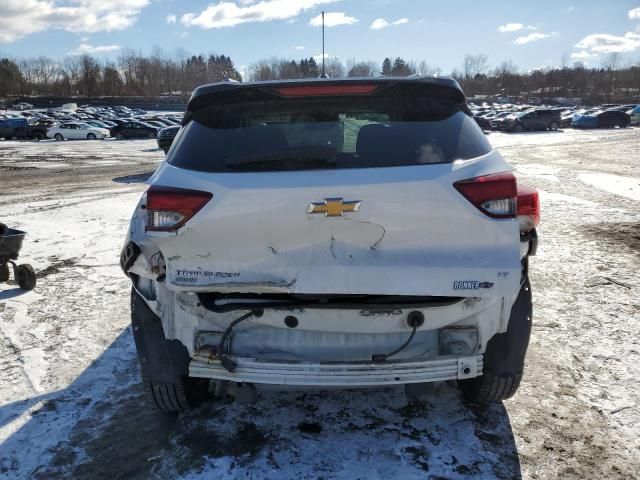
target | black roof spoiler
[{"x": 204, "y": 95}]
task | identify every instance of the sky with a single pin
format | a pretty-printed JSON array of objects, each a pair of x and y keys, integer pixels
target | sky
[{"x": 530, "y": 34}]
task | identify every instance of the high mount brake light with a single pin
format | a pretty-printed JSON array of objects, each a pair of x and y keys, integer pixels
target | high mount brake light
[
  {"x": 170, "y": 208},
  {"x": 494, "y": 195},
  {"x": 528, "y": 208},
  {"x": 325, "y": 90}
]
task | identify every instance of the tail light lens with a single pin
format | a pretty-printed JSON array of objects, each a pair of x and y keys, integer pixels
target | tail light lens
[
  {"x": 170, "y": 208},
  {"x": 528, "y": 208},
  {"x": 494, "y": 195}
]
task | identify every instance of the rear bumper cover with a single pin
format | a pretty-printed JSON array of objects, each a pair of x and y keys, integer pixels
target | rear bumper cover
[{"x": 343, "y": 374}]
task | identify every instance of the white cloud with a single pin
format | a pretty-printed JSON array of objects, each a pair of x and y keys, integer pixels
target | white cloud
[
  {"x": 333, "y": 19},
  {"x": 327, "y": 56},
  {"x": 86, "y": 49},
  {"x": 583, "y": 55},
  {"x": 634, "y": 14},
  {"x": 230, "y": 14},
  {"x": 605, "y": 43},
  {"x": 299, "y": 47},
  {"x": 532, "y": 37},
  {"x": 20, "y": 18},
  {"x": 515, "y": 27},
  {"x": 380, "y": 23},
  {"x": 171, "y": 18},
  {"x": 510, "y": 27}
]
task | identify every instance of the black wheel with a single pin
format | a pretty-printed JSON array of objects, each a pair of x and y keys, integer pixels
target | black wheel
[
  {"x": 151, "y": 135},
  {"x": 26, "y": 277},
  {"x": 553, "y": 126},
  {"x": 91, "y": 136},
  {"x": 4, "y": 273},
  {"x": 503, "y": 363},
  {"x": 38, "y": 136},
  {"x": 164, "y": 364},
  {"x": 179, "y": 396},
  {"x": 519, "y": 128},
  {"x": 58, "y": 137},
  {"x": 119, "y": 136}
]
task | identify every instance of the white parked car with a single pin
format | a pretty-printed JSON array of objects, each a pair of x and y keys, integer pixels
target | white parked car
[
  {"x": 634, "y": 114},
  {"x": 76, "y": 131},
  {"x": 331, "y": 233}
]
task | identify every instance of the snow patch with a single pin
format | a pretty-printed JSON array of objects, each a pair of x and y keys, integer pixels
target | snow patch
[{"x": 628, "y": 187}]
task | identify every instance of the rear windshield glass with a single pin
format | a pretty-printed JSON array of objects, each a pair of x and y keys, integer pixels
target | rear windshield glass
[{"x": 276, "y": 134}]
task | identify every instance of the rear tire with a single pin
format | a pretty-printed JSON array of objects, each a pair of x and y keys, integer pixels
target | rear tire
[
  {"x": 553, "y": 126},
  {"x": 179, "y": 396},
  {"x": 58, "y": 137},
  {"x": 504, "y": 356},
  {"x": 164, "y": 364}
]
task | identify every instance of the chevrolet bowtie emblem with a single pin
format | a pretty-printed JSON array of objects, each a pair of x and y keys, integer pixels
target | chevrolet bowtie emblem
[{"x": 334, "y": 207}]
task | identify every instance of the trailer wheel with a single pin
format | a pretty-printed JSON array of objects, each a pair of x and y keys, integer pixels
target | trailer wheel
[
  {"x": 4, "y": 273},
  {"x": 26, "y": 277}
]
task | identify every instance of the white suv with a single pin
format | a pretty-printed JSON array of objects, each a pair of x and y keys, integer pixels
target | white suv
[{"x": 331, "y": 233}]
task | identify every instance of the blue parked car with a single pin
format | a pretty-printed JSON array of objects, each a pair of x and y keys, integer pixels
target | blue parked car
[
  {"x": 14, "y": 127},
  {"x": 601, "y": 119}
]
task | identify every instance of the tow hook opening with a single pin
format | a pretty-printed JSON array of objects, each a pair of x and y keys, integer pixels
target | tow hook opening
[{"x": 459, "y": 341}]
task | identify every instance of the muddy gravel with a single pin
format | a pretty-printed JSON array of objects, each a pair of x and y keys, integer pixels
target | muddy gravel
[{"x": 71, "y": 403}]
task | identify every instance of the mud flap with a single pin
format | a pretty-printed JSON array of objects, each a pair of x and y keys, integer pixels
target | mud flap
[
  {"x": 162, "y": 360},
  {"x": 506, "y": 351}
]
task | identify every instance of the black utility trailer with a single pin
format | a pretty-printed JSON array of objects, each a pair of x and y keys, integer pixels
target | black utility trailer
[{"x": 10, "y": 245}]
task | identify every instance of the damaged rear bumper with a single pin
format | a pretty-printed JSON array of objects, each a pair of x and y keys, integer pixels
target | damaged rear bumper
[{"x": 340, "y": 374}]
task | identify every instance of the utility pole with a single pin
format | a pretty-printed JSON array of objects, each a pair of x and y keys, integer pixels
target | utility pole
[{"x": 324, "y": 75}]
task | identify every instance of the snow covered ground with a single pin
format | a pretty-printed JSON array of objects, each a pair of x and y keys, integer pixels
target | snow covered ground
[{"x": 71, "y": 405}]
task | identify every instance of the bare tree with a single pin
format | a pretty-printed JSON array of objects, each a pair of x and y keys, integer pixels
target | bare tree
[
  {"x": 334, "y": 68},
  {"x": 474, "y": 65},
  {"x": 612, "y": 61},
  {"x": 361, "y": 69},
  {"x": 425, "y": 69}
]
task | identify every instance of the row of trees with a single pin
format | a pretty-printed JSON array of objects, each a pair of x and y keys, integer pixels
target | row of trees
[{"x": 134, "y": 74}]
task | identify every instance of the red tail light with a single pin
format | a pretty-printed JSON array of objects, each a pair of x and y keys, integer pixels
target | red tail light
[
  {"x": 494, "y": 195},
  {"x": 170, "y": 208},
  {"x": 324, "y": 90},
  {"x": 528, "y": 208}
]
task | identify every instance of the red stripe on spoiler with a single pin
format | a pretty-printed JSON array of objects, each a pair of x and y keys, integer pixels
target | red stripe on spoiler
[{"x": 320, "y": 90}]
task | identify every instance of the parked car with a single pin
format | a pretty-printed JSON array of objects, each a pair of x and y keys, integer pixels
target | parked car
[
  {"x": 322, "y": 237},
  {"x": 496, "y": 121},
  {"x": 166, "y": 136},
  {"x": 22, "y": 106},
  {"x": 634, "y": 116},
  {"x": 134, "y": 129},
  {"x": 77, "y": 131},
  {"x": 602, "y": 119},
  {"x": 14, "y": 127},
  {"x": 538, "y": 119}
]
